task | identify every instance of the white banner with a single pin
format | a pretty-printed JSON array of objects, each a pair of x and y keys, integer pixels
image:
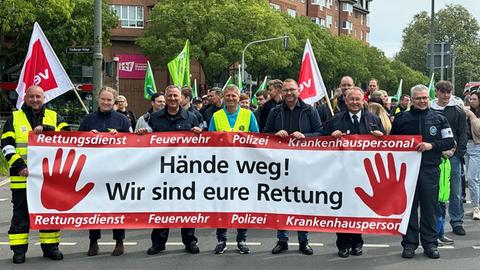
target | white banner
[{"x": 81, "y": 180}]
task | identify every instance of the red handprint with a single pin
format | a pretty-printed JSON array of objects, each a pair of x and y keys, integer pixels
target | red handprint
[
  {"x": 58, "y": 188},
  {"x": 389, "y": 195}
]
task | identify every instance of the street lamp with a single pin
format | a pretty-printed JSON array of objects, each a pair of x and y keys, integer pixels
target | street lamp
[
  {"x": 285, "y": 44},
  {"x": 116, "y": 60}
]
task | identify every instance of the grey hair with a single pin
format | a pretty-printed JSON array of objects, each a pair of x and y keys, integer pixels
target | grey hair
[
  {"x": 232, "y": 87},
  {"x": 418, "y": 88}
]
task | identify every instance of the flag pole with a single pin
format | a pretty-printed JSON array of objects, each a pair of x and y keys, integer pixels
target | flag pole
[{"x": 81, "y": 101}]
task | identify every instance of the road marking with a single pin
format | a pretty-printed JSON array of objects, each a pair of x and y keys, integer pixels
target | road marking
[
  {"x": 61, "y": 243},
  {"x": 376, "y": 245},
  {"x": 476, "y": 247},
  {"x": 311, "y": 244},
  {"x": 4, "y": 182},
  {"x": 248, "y": 243},
  {"x": 114, "y": 243},
  {"x": 4, "y": 244},
  {"x": 3, "y": 199}
]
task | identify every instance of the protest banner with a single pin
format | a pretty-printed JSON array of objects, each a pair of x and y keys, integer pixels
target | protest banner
[{"x": 356, "y": 184}]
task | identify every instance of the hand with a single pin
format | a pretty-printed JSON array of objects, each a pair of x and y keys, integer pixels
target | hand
[
  {"x": 469, "y": 113},
  {"x": 94, "y": 131},
  {"x": 282, "y": 133},
  {"x": 297, "y": 135},
  {"x": 113, "y": 131},
  {"x": 337, "y": 134},
  {"x": 423, "y": 147},
  {"x": 38, "y": 129},
  {"x": 59, "y": 189},
  {"x": 376, "y": 133},
  {"x": 141, "y": 131},
  {"x": 23, "y": 172},
  {"x": 196, "y": 130},
  {"x": 389, "y": 196}
]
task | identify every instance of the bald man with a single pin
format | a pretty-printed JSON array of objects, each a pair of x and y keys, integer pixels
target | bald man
[{"x": 33, "y": 116}]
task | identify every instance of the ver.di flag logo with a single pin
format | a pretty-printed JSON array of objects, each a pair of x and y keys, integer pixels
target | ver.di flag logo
[
  {"x": 42, "y": 68},
  {"x": 310, "y": 81}
]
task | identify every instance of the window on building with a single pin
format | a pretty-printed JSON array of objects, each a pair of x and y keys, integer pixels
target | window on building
[
  {"x": 361, "y": 19},
  {"x": 318, "y": 21},
  {"x": 129, "y": 16},
  {"x": 275, "y": 6},
  {"x": 347, "y": 7},
  {"x": 320, "y": 3},
  {"x": 347, "y": 25},
  {"x": 361, "y": 34},
  {"x": 292, "y": 12},
  {"x": 329, "y": 21},
  {"x": 329, "y": 3},
  {"x": 366, "y": 36}
]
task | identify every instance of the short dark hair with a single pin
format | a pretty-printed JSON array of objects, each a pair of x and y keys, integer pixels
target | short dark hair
[
  {"x": 402, "y": 97},
  {"x": 444, "y": 86},
  {"x": 155, "y": 96},
  {"x": 263, "y": 93},
  {"x": 217, "y": 91},
  {"x": 187, "y": 92}
]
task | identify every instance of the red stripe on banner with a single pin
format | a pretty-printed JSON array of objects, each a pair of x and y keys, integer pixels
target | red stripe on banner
[
  {"x": 224, "y": 139},
  {"x": 83, "y": 221}
]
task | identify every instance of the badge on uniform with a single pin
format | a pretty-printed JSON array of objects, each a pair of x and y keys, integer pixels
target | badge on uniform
[
  {"x": 433, "y": 130},
  {"x": 241, "y": 128},
  {"x": 24, "y": 128}
]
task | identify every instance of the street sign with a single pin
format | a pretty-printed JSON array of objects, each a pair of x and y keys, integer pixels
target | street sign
[
  {"x": 79, "y": 50},
  {"x": 442, "y": 54}
]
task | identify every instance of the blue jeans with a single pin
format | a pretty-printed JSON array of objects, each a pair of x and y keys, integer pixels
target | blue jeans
[
  {"x": 472, "y": 159},
  {"x": 455, "y": 207},
  {"x": 241, "y": 235},
  {"x": 303, "y": 236},
  {"x": 441, "y": 211}
]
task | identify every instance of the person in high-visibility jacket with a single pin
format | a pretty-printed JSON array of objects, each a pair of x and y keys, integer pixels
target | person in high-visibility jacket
[
  {"x": 232, "y": 118},
  {"x": 33, "y": 116}
]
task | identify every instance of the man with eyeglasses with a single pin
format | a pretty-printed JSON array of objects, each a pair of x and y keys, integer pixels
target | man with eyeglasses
[
  {"x": 293, "y": 118},
  {"x": 437, "y": 136}
]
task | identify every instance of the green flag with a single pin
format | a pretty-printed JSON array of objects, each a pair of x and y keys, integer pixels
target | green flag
[
  {"x": 229, "y": 81},
  {"x": 179, "y": 67},
  {"x": 240, "y": 83},
  {"x": 431, "y": 88},
  {"x": 194, "y": 90},
  {"x": 399, "y": 91},
  {"x": 262, "y": 86},
  {"x": 149, "y": 87}
]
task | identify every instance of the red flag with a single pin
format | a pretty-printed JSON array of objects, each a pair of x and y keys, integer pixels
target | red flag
[
  {"x": 42, "y": 68},
  {"x": 310, "y": 80}
]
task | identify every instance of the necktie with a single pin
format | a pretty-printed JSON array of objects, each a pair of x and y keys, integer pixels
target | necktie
[{"x": 356, "y": 125}]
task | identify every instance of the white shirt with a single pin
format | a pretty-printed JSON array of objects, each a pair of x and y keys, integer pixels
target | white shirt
[{"x": 358, "y": 114}]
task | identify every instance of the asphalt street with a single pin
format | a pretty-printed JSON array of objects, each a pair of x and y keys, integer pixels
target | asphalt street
[{"x": 380, "y": 252}]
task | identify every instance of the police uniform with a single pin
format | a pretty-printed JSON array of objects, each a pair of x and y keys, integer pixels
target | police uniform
[
  {"x": 14, "y": 143},
  {"x": 435, "y": 130}
]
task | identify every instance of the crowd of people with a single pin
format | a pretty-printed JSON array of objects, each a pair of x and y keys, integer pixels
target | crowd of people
[{"x": 450, "y": 132}]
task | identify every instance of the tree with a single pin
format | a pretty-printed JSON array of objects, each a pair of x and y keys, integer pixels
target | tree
[
  {"x": 65, "y": 23},
  {"x": 454, "y": 25},
  {"x": 218, "y": 31}
]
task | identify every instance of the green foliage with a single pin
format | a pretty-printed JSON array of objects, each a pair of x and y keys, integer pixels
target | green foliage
[
  {"x": 220, "y": 29},
  {"x": 453, "y": 24},
  {"x": 65, "y": 23}
]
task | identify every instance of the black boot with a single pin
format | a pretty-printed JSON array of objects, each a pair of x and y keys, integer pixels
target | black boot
[
  {"x": 119, "y": 249},
  {"x": 93, "y": 248},
  {"x": 18, "y": 257},
  {"x": 52, "y": 252}
]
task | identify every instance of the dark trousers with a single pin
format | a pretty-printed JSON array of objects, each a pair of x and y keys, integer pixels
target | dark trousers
[
  {"x": 349, "y": 240},
  {"x": 426, "y": 196},
  {"x": 20, "y": 224},
  {"x": 118, "y": 234},
  {"x": 222, "y": 235},
  {"x": 160, "y": 236}
]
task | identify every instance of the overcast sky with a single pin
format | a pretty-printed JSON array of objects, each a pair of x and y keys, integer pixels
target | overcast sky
[{"x": 388, "y": 18}]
